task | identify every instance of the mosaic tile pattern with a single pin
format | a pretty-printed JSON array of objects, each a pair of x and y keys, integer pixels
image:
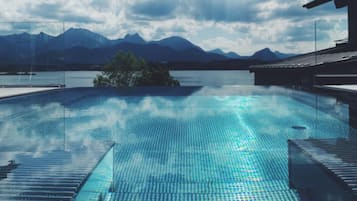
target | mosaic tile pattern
[
  {"x": 192, "y": 147},
  {"x": 220, "y": 149}
]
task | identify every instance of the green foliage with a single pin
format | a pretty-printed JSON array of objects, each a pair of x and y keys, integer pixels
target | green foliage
[{"x": 125, "y": 70}]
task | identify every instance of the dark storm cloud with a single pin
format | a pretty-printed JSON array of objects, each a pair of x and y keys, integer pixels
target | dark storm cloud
[
  {"x": 295, "y": 11},
  {"x": 202, "y": 10},
  {"x": 225, "y": 10},
  {"x": 24, "y": 26},
  {"x": 244, "y": 29},
  {"x": 152, "y": 9},
  {"x": 245, "y": 11},
  {"x": 56, "y": 11},
  {"x": 100, "y": 4},
  {"x": 47, "y": 10}
]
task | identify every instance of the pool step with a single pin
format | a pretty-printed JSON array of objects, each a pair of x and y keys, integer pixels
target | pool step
[
  {"x": 52, "y": 176},
  {"x": 333, "y": 157},
  {"x": 262, "y": 190},
  {"x": 211, "y": 188},
  {"x": 287, "y": 195},
  {"x": 11, "y": 197}
]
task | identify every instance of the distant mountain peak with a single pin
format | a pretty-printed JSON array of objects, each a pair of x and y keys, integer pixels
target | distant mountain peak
[
  {"x": 265, "y": 50},
  {"x": 179, "y": 39},
  {"x": 265, "y": 55},
  {"x": 77, "y": 30},
  {"x": 281, "y": 55},
  {"x": 135, "y": 35},
  {"x": 82, "y": 46},
  {"x": 231, "y": 55},
  {"x": 80, "y": 32},
  {"x": 177, "y": 43},
  {"x": 176, "y": 38},
  {"x": 79, "y": 37},
  {"x": 134, "y": 38},
  {"x": 217, "y": 51},
  {"x": 42, "y": 34},
  {"x": 23, "y": 34}
]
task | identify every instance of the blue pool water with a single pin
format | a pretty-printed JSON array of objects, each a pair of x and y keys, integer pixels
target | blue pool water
[{"x": 196, "y": 144}]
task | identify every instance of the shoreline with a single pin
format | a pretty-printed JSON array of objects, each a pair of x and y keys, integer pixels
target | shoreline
[
  {"x": 4, "y": 73},
  {"x": 16, "y": 73}
]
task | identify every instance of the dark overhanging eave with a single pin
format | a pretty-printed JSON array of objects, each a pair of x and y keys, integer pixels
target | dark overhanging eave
[
  {"x": 286, "y": 67},
  {"x": 315, "y": 3}
]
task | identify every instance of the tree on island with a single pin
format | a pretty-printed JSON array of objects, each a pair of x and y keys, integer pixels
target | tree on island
[{"x": 126, "y": 70}]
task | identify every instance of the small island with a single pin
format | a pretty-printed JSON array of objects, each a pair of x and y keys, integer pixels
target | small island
[{"x": 126, "y": 70}]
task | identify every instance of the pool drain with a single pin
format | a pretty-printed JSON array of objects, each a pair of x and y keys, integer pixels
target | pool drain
[{"x": 299, "y": 127}]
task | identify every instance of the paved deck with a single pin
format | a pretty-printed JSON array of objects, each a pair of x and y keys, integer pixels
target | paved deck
[
  {"x": 10, "y": 92},
  {"x": 340, "y": 88}
]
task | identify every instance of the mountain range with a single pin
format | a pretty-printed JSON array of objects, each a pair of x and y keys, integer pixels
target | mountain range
[{"x": 81, "y": 46}]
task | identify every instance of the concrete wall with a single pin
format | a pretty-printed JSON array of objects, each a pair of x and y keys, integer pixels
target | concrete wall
[{"x": 283, "y": 77}]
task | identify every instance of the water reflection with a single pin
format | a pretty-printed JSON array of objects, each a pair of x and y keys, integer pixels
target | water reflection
[
  {"x": 315, "y": 166},
  {"x": 33, "y": 133},
  {"x": 221, "y": 137},
  {"x": 164, "y": 145},
  {"x": 6, "y": 169}
]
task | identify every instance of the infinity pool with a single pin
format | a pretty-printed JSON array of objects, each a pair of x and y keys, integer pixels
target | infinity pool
[{"x": 225, "y": 143}]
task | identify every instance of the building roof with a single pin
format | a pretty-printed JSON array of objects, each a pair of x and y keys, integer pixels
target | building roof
[
  {"x": 346, "y": 88},
  {"x": 312, "y": 60},
  {"x": 315, "y": 3}
]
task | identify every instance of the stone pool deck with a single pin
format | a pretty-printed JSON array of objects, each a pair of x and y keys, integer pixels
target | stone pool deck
[
  {"x": 339, "y": 88},
  {"x": 16, "y": 91}
]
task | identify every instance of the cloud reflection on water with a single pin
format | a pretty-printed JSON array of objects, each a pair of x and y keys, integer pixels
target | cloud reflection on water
[{"x": 213, "y": 135}]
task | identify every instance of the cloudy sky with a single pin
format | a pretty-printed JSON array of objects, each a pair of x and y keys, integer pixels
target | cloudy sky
[{"x": 243, "y": 26}]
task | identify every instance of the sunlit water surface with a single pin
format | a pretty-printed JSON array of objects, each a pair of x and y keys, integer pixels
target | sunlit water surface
[{"x": 214, "y": 144}]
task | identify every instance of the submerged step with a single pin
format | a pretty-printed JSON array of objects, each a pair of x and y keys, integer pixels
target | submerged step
[
  {"x": 287, "y": 195},
  {"x": 57, "y": 176},
  {"x": 324, "y": 168},
  {"x": 206, "y": 188}
]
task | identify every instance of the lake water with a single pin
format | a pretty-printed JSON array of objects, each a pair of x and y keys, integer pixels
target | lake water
[
  {"x": 213, "y": 78},
  {"x": 85, "y": 78}
]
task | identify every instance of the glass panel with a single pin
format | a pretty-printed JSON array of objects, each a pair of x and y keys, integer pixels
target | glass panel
[{"x": 325, "y": 27}]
